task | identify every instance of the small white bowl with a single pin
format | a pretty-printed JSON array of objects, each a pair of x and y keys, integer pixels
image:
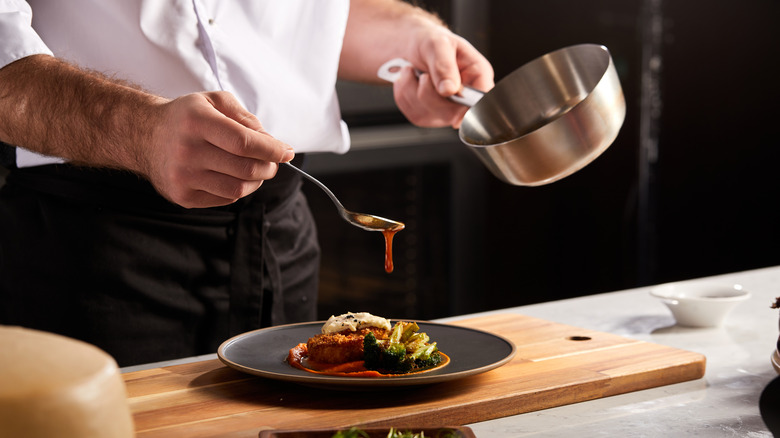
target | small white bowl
[{"x": 700, "y": 304}]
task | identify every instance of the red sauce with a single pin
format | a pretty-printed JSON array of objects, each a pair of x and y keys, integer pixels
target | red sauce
[
  {"x": 298, "y": 358},
  {"x": 389, "y": 248}
]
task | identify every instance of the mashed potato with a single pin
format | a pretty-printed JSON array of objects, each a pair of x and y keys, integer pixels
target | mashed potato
[{"x": 354, "y": 322}]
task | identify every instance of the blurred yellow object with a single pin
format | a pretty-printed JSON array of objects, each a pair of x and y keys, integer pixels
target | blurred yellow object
[{"x": 55, "y": 386}]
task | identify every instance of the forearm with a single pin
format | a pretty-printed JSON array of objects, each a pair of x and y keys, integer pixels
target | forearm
[
  {"x": 379, "y": 30},
  {"x": 54, "y": 108},
  {"x": 198, "y": 150}
]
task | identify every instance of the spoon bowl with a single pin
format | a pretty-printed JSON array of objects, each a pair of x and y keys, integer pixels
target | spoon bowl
[{"x": 368, "y": 222}]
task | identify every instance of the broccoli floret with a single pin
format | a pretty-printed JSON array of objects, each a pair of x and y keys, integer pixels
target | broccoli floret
[
  {"x": 404, "y": 352},
  {"x": 429, "y": 360},
  {"x": 389, "y": 358},
  {"x": 372, "y": 352}
]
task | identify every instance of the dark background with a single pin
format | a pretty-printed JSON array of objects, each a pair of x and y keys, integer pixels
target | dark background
[{"x": 688, "y": 189}]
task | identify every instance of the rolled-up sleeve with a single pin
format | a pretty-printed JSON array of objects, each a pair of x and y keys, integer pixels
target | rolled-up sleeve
[{"x": 17, "y": 37}]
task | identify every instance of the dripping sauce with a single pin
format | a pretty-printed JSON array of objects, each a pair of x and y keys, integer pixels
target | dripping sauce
[{"x": 389, "y": 233}]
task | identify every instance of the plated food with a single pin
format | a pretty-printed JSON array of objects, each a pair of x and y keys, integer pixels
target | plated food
[
  {"x": 443, "y": 432},
  {"x": 264, "y": 352},
  {"x": 365, "y": 345}
]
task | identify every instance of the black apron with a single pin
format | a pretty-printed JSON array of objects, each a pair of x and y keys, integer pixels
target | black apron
[{"x": 98, "y": 255}]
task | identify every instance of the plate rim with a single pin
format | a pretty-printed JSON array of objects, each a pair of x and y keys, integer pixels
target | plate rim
[{"x": 363, "y": 382}]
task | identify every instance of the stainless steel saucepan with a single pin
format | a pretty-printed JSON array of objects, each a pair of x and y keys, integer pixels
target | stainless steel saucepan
[{"x": 547, "y": 119}]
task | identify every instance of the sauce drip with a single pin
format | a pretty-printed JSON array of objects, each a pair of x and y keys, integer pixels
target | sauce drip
[
  {"x": 389, "y": 233},
  {"x": 388, "y": 228}
]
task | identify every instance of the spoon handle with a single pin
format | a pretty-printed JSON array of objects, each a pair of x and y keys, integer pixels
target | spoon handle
[{"x": 320, "y": 185}]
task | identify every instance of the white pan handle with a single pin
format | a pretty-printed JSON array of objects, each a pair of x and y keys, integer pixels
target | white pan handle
[{"x": 391, "y": 71}]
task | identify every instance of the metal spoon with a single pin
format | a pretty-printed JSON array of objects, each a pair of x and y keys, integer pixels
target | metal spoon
[{"x": 367, "y": 222}]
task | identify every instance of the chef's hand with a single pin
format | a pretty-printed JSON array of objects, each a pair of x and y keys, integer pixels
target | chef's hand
[
  {"x": 200, "y": 150},
  {"x": 448, "y": 62},
  {"x": 380, "y": 30},
  {"x": 207, "y": 150}
]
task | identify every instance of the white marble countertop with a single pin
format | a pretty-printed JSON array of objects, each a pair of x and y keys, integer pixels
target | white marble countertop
[{"x": 722, "y": 404}]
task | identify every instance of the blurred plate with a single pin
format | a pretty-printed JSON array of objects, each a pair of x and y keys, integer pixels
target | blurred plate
[
  {"x": 373, "y": 432},
  {"x": 264, "y": 352}
]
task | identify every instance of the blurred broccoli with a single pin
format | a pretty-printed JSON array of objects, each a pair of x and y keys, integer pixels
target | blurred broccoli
[
  {"x": 355, "y": 432},
  {"x": 405, "y": 351},
  {"x": 352, "y": 432}
]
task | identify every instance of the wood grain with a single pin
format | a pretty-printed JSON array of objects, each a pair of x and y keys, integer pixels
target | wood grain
[{"x": 555, "y": 365}]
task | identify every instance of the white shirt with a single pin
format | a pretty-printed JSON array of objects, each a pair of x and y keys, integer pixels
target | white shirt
[{"x": 279, "y": 57}]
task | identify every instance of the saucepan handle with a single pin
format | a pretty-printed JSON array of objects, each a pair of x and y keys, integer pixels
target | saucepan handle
[{"x": 391, "y": 71}]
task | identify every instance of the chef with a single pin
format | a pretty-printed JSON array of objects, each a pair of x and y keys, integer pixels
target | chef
[{"x": 144, "y": 209}]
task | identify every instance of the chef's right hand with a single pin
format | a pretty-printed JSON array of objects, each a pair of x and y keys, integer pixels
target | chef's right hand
[{"x": 207, "y": 150}]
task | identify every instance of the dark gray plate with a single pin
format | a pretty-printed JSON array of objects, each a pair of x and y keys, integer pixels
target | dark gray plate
[{"x": 264, "y": 352}]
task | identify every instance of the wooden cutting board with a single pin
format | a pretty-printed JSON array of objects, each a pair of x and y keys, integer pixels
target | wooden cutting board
[{"x": 555, "y": 365}]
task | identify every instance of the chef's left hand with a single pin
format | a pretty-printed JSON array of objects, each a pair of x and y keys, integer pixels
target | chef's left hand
[{"x": 448, "y": 62}]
